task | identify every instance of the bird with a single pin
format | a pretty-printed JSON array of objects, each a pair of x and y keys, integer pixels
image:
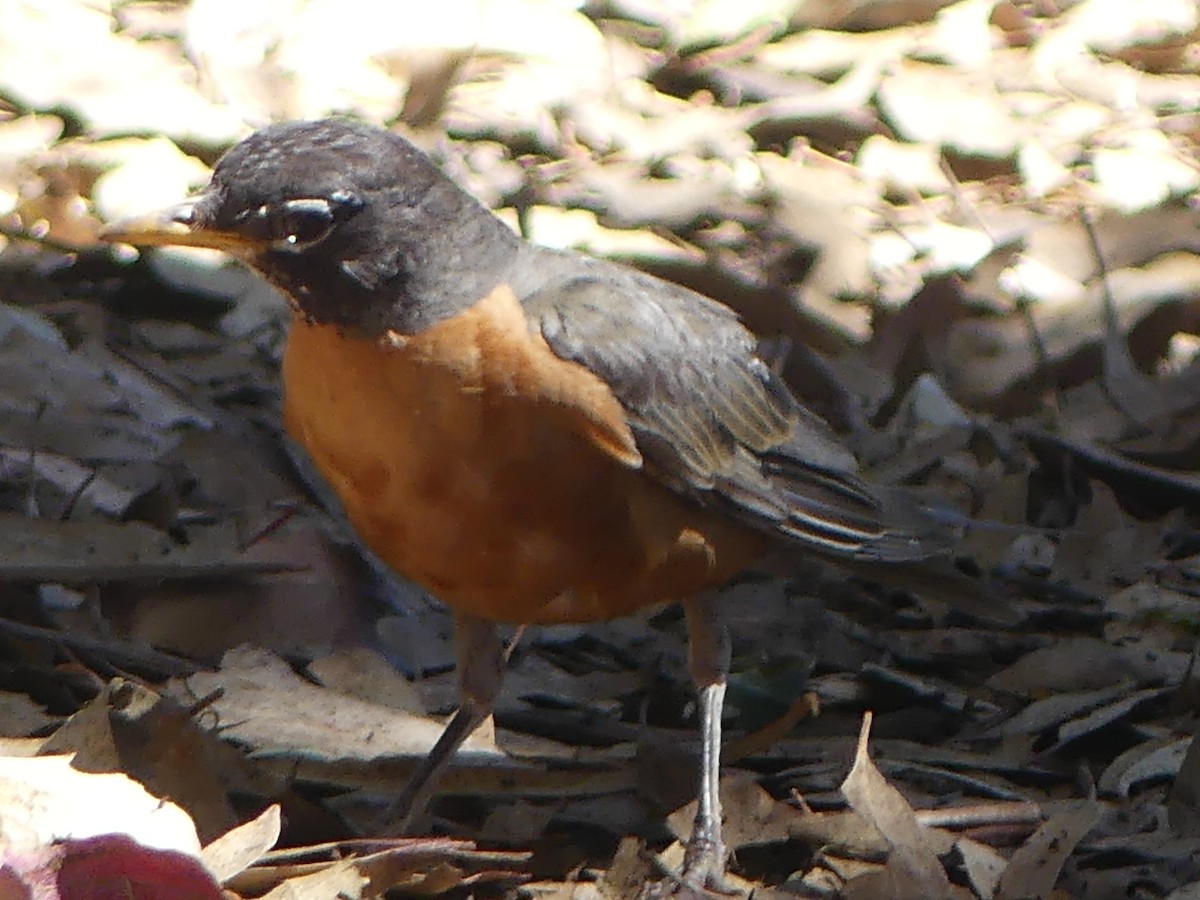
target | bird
[{"x": 533, "y": 435}]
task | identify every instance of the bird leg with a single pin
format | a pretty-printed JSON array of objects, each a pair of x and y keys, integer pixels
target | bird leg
[
  {"x": 481, "y": 657},
  {"x": 708, "y": 659}
]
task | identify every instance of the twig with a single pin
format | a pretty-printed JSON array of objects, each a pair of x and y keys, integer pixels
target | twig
[
  {"x": 117, "y": 653},
  {"x": 1002, "y": 812}
]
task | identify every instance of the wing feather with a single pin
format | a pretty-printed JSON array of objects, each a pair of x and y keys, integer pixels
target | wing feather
[{"x": 710, "y": 418}]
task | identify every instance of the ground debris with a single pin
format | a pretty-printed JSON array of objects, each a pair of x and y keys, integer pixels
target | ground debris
[{"x": 967, "y": 234}]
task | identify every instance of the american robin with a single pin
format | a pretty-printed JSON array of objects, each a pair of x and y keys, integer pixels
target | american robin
[{"x": 533, "y": 435}]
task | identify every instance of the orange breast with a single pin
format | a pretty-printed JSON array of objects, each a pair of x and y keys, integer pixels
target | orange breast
[{"x": 499, "y": 477}]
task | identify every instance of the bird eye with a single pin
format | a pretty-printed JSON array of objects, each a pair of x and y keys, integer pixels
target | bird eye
[
  {"x": 291, "y": 226},
  {"x": 301, "y": 223}
]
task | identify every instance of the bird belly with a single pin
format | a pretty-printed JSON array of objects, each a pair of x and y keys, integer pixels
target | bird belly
[{"x": 468, "y": 472}]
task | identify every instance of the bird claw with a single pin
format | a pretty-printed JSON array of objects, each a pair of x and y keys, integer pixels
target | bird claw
[
  {"x": 702, "y": 875},
  {"x": 686, "y": 886},
  {"x": 704, "y": 863}
]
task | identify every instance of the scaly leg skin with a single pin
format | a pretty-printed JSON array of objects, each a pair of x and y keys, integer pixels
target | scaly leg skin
[
  {"x": 481, "y": 658},
  {"x": 708, "y": 659}
]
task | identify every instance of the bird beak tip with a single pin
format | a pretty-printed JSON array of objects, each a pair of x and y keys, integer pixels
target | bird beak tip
[
  {"x": 143, "y": 231},
  {"x": 174, "y": 226}
]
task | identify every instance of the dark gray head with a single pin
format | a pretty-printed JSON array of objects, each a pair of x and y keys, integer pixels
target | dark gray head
[{"x": 358, "y": 227}]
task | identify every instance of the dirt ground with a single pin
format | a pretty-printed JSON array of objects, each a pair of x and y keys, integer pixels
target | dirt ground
[{"x": 970, "y": 231}]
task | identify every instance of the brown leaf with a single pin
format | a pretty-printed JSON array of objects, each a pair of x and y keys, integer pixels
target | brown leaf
[
  {"x": 1035, "y": 867},
  {"x": 129, "y": 728},
  {"x": 240, "y": 847},
  {"x": 341, "y": 880},
  {"x": 913, "y": 870}
]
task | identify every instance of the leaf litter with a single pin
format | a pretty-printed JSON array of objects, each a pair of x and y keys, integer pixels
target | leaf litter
[{"x": 974, "y": 225}]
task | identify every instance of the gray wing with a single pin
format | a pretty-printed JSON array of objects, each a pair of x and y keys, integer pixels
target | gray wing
[{"x": 711, "y": 419}]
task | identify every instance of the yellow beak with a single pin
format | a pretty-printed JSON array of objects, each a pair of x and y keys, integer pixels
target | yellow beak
[{"x": 175, "y": 226}]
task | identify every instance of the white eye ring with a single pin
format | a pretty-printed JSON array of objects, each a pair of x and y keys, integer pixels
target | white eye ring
[{"x": 300, "y": 224}]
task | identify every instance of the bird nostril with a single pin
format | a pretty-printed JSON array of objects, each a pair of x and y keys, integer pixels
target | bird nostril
[{"x": 184, "y": 214}]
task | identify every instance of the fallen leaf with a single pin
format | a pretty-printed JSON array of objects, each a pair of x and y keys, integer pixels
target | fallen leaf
[
  {"x": 1034, "y": 868},
  {"x": 241, "y": 847},
  {"x": 44, "y": 800},
  {"x": 913, "y": 870},
  {"x": 341, "y": 880},
  {"x": 106, "y": 867}
]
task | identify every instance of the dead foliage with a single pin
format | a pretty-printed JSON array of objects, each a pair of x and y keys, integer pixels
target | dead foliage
[{"x": 973, "y": 224}]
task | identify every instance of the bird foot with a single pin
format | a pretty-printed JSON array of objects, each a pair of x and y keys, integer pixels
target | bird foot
[
  {"x": 702, "y": 876},
  {"x": 704, "y": 862},
  {"x": 679, "y": 887}
]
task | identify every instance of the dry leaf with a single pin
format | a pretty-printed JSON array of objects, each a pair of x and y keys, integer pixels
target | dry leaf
[
  {"x": 43, "y": 800},
  {"x": 341, "y": 880},
  {"x": 103, "y": 866},
  {"x": 1035, "y": 866},
  {"x": 241, "y": 847},
  {"x": 913, "y": 870}
]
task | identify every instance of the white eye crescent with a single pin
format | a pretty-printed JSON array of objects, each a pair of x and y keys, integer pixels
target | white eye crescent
[
  {"x": 291, "y": 226},
  {"x": 298, "y": 224}
]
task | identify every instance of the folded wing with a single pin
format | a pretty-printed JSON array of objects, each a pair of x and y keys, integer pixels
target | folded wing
[{"x": 711, "y": 419}]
